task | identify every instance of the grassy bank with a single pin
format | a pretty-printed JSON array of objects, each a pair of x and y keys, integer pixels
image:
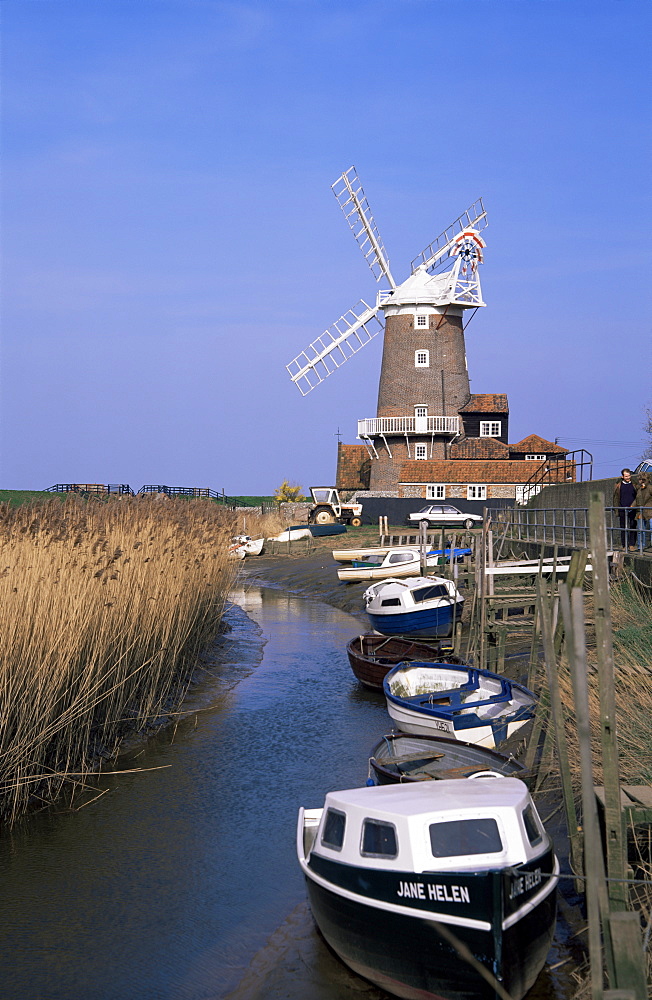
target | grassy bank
[{"x": 105, "y": 608}]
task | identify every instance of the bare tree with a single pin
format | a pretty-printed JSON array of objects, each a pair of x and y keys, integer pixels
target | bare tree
[{"x": 647, "y": 427}]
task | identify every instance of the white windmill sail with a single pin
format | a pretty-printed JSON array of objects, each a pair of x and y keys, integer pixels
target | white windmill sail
[
  {"x": 335, "y": 346},
  {"x": 351, "y": 199},
  {"x": 475, "y": 218}
]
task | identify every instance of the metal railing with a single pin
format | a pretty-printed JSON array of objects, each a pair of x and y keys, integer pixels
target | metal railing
[
  {"x": 568, "y": 526},
  {"x": 408, "y": 425},
  {"x": 573, "y": 467},
  {"x": 92, "y": 488}
]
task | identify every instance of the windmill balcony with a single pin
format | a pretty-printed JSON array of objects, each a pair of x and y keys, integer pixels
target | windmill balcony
[{"x": 379, "y": 426}]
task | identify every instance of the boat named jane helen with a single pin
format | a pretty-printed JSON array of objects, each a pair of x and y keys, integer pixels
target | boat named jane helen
[{"x": 405, "y": 880}]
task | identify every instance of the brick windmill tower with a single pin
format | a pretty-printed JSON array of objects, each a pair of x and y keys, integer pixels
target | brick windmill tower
[{"x": 424, "y": 380}]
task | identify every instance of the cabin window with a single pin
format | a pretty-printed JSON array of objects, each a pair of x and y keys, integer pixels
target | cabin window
[
  {"x": 476, "y": 492},
  {"x": 391, "y": 602},
  {"x": 535, "y": 458},
  {"x": 435, "y": 491},
  {"x": 378, "y": 839},
  {"x": 421, "y": 321},
  {"x": 532, "y": 829},
  {"x": 422, "y": 359},
  {"x": 401, "y": 557},
  {"x": 333, "y": 835},
  {"x": 421, "y": 451},
  {"x": 425, "y": 593},
  {"x": 490, "y": 428},
  {"x": 458, "y": 837}
]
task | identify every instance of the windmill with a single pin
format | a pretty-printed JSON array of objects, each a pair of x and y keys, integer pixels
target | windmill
[{"x": 424, "y": 379}]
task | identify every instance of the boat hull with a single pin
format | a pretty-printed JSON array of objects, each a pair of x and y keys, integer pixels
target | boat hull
[
  {"x": 372, "y": 655},
  {"x": 399, "y": 758},
  {"x": 406, "y": 954},
  {"x": 424, "y": 622},
  {"x": 489, "y": 735}
]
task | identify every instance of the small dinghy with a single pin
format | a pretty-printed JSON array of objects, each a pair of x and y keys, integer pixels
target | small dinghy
[
  {"x": 371, "y": 655},
  {"x": 250, "y": 546},
  {"x": 397, "y": 562},
  {"x": 473, "y": 705},
  {"x": 399, "y": 757},
  {"x": 417, "y": 606},
  {"x": 404, "y": 880}
]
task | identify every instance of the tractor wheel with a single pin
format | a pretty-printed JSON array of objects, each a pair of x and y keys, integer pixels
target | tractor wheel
[
  {"x": 355, "y": 522},
  {"x": 323, "y": 515},
  {"x": 468, "y": 524}
]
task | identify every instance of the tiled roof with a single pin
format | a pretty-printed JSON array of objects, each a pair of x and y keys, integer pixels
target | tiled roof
[
  {"x": 486, "y": 402},
  {"x": 466, "y": 471},
  {"x": 533, "y": 444},
  {"x": 479, "y": 448}
]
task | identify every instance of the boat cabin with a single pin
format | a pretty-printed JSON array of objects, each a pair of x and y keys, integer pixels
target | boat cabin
[{"x": 484, "y": 823}]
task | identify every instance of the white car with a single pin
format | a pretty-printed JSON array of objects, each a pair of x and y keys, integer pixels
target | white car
[{"x": 444, "y": 514}]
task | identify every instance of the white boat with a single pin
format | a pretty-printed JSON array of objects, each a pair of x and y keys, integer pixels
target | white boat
[
  {"x": 250, "y": 546},
  {"x": 453, "y": 699},
  {"x": 293, "y": 534},
  {"x": 397, "y": 562},
  {"x": 351, "y": 555},
  {"x": 416, "y": 606},
  {"x": 405, "y": 880}
]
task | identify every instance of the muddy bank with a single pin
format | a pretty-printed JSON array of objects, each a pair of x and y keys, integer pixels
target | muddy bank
[{"x": 311, "y": 575}]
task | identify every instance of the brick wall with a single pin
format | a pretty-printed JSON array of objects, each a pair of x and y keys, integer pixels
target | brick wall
[{"x": 404, "y": 386}]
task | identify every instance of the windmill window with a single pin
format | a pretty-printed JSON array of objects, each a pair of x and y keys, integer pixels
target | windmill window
[
  {"x": 421, "y": 321},
  {"x": 435, "y": 491},
  {"x": 535, "y": 458},
  {"x": 422, "y": 359},
  {"x": 490, "y": 428},
  {"x": 421, "y": 451},
  {"x": 421, "y": 411},
  {"x": 476, "y": 492}
]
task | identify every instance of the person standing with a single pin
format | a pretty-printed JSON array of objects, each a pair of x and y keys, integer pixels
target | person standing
[
  {"x": 643, "y": 511},
  {"x": 624, "y": 499}
]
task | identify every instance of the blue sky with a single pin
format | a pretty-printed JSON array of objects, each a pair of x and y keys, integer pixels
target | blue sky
[{"x": 171, "y": 242}]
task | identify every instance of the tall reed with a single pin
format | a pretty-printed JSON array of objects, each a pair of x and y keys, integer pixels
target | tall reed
[{"x": 105, "y": 608}]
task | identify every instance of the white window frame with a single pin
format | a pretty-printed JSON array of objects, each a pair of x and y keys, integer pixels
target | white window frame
[
  {"x": 425, "y": 363},
  {"x": 490, "y": 428},
  {"x": 435, "y": 491},
  {"x": 476, "y": 491},
  {"x": 420, "y": 411},
  {"x": 535, "y": 458},
  {"x": 418, "y": 448},
  {"x": 420, "y": 321}
]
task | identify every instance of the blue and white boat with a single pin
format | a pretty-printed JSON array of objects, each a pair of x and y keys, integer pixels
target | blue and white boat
[
  {"x": 477, "y": 706},
  {"x": 417, "y": 606}
]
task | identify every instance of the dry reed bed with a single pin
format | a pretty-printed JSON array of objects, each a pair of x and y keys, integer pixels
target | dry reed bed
[{"x": 105, "y": 608}]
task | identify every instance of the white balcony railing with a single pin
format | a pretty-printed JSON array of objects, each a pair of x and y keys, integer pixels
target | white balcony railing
[{"x": 374, "y": 426}]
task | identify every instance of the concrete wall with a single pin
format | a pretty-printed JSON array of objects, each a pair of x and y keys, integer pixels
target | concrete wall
[{"x": 572, "y": 495}]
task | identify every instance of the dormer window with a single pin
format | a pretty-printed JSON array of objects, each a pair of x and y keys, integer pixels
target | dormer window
[
  {"x": 422, "y": 359},
  {"x": 421, "y": 321},
  {"x": 490, "y": 428},
  {"x": 535, "y": 458}
]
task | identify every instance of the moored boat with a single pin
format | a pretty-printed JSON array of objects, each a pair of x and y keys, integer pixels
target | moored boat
[
  {"x": 371, "y": 655},
  {"x": 417, "y": 606},
  {"x": 404, "y": 879},
  {"x": 401, "y": 757},
  {"x": 397, "y": 562},
  {"x": 473, "y": 705}
]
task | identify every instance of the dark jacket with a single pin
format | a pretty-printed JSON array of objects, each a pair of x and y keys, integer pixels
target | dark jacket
[
  {"x": 630, "y": 491},
  {"x": 644, "y": 500}
]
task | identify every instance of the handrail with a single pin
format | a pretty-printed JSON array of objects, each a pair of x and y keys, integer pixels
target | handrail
[
  {"x": 371, "y": 426},
  {"x": 565, "y": 526}
]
